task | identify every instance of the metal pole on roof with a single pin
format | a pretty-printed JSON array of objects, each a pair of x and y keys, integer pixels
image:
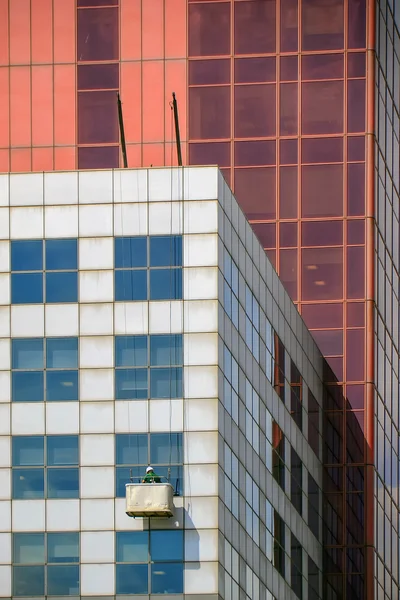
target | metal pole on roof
[
  {"x": 122, "y": 131},
  {"x": 177, "y": 132}
]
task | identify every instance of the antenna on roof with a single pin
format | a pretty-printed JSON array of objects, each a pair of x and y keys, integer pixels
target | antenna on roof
[
  {"x": 122, "y": 131},
  {"x": 177, "y": 132}
]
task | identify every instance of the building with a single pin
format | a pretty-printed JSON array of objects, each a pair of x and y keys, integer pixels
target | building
[
  {"x": 298, "y": 102},
  {"x": 137, "y": 329}
]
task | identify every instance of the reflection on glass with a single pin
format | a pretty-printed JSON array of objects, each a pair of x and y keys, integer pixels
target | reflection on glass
[
  {"x": 255, "y": 109},
  {"x": 27, "y": 450},
  {"x": 131, "y": 449},
  {"x": 28, "y": 581},
  {"x": 62, "y": 353},
  {"x": 62, "y": 287},
  {"x": 288, "y": 271},
  {"x": 166, "y": 350},
  {"x": 288, "y": 124},
  {"x": 26, "y": 255},
  {"x": 356, "y": 64},
  {"x": 255, "y": 153},
  {"x": 322, "y": 191},
  {"x": 288, "y": 192},
  {"x": 209, "y": 72},
  {"x": 63, "y": 580},
  {"x": 166, "y": 383},
  {"x": 165, "y": 284},
  {"x": 97, "y": 34},
  {"x": 61, "y": 386},
  {"x": 131, "y": 384},
  {"x": 322, "y": 233},
  {"x": 27, "y": 386},
  {"x": 62, "y": 450},
  {"x": 289, "y": 26},
  {"x": 357, "y": 18},
  {"x": 322, "y": 107},
  {"x": 255, "y": 70},
  {"x": 63, "y": 483},
  {"x": 27, "y": 353},
  {"x": 288, "y": 235},
  {"x": 355, "y": 314},
  {"x": 27, "y": 484},
  {"x": 356, "y": 268},
  {"x": 102, "y": 76},
  {"x": 63, "y": 547},
  {"x": 209, "y": 113},
  {"x": 61, "y": 255},
  {"x": 322, "y": 25},
  {"x": 255, "y": 27},
  {"x": 288, "y": 152},
  {"x": 132, "y": 546},
  {"x": 167, "y": 578},
  {"x": 322, "y": 273},
  {"x": 256, "y": 192},
  {"x": 356, "y": 105},
  {"x": 320, "y": 316},
  {"x": 289, "y": 68},
  {"x": 356, "y": 148},
  {"x": 209, "y": 29},
  {"x": 166, "y": 448},
  {"x": 28, "y": 548},
  {"x": 106, "y": 157},
  {"x": 98, "y": 119},
  {"x": 130, "y": 252},
  {"x": 356, "y": 190},
  {"x": 131, "y": 579},
  {"x": 356, "y": 231},
  {"x": 211, "y": 153},
  {"x": 322, "y": 150},
  {"x": 131, "y": 351},
  {"x": 322, "y": 66},
  {"x": 130, "y": 285},
  {"x": 166, "y": 251}
]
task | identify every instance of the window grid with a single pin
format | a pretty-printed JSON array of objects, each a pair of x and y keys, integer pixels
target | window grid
[
  {"x": 148, "y": 366},
  {"x": 134, "y": 452},
  {"x": 44, "y": 369},
  {"x": 50, "y": 471},
  {"x": 44, "y": 271},
  {"x": 148, "y": 268},
  {"x": 45, "y": 564}
]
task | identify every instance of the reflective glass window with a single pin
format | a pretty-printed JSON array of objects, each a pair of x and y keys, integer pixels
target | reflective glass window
[
  {"x": 255, "y": 110},
  {"x": 62, "y": 386},
  {"x": 209, "y": 29},
  {"x": 26, "y": 255},
  {"x": 27, "y": 484},
  {"x": 167, "y": 578},
  {"x": 130, "y": 252},
  {"x": 98, "y": 157},
  {"x": 26, "y": 288},
  {"x": 97, "y": 34},
  {"x": 61, "y": 255},
  {"x": 255, "y": 24},
  {"x": 166, "y": 448},
  {"x": 131, "y": 579},
  {"x": 27, "y": 450},
  {"x": 166, "y": 251},
  {"x": 131, "y": 351},
  {"x": 62, "y": 450},
  {"x": 209, "y": 72},
  {"x": 63, "y": 547},
  {"x": 62, "y": 353},
  {"x": 255, "y": 70},
  {"x": 322, "y": 28},
  {"x": 101, "y": 76},
  {"x": 130, "y": 285},
  {"x": 131, "y": 449},
  {"x": 27, "y": 353},
  {"x": 28, "y": 581},
  {"x": 209, "y": 113},
  {"x": 62, "y": 287},
  {"x": 322, "y": 107},
  {"x": 132, "y": 546},
  {"x": 28, "y": 548},
  {"x": 63, "y": 483},
  {"x": 98, "y": 120},
  {"x": 166, "y": 546},
  {"x": 131, "y": 384},
  {"x": 166, "y": 383},
  {"x": 166, "y": 350},
  {"x": 62, "y": 580},
  {"x": 165, "y": 284}
]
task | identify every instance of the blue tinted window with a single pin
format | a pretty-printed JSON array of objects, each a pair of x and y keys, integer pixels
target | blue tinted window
[
  {"x": 27, "y": 450},
  {"x": 61, "y": 254},
  {"x": 166, "y": 383},
  {"x": 62, "y": 547},
  {"x": 166, "y": 448},
  {"x": 28, "y": 548},
  {"x": 26, "y": 288},
  {"x": 122, "y": 477},
  {"x": 132, "y": 546},
  {"x": 63, "y": 483},
  {"x": 62, "y": 450},
  {"x": 130, "y": 252},
  {"x": 131, "y": 449},
  {"x": 27, "y": 386},
  {"x": 27, "y": 353},
  {"x": 165, "y": 284},
  {"x": 131, "y": 351},
  {"x": 166, "y": 545},
  {"x": 165, "y": 350},
  {"x": 167, "y": 578},
  {"x": 132, "y": 579},
  {"x": 131, "y": 384},
  {"x": 27, "y": 255},
  {"x": 62, "y": 580},
  {"x": 62, "y": 353},
  {"x": 166, "y": 251},
  {"x": 62, "y": 287},
  {"x": 28, "y": 581},
  {"x": 61, "y": 385},
  {"x": 130, "y": 285},
  {"x": 27, "y": 484}
]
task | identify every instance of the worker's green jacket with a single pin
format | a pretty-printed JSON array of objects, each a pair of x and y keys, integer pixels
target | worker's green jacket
[{"x": 151, "y": 478}]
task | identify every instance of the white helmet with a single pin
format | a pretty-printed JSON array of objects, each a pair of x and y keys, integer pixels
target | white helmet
[{"x": 149, "y": 469}]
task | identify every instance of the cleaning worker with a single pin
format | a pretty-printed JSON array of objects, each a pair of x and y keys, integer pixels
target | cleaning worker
[{"x": 150, "y": 476}]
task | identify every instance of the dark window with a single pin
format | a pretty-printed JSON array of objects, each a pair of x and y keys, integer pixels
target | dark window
[
  {"x": 209, "y": 29},
  {"x": 98, "y": 34},
  {"x": 279, "y": 544},
  {"x": 106, "y": 157},
  {"x": 61, "y": 255},
  {"x": 296, "y": 395},
  {"x": 313, "y": 580},
  {"x": 26, "y": 255},
  {"x": 255, "y": 27},
  {"x": 97, "y": 77},
  {"x": 297, "y": 566},
  {"x": 313, "y": 423},
  {"x": 296, "y": 474},
  {"x": 209, "y": 113},
  {"x": 313, "y": 506},
  {"x": 278, "y": 454},
  {"x": 98, "y": 117},
  {"x": 26, "y": 288}
]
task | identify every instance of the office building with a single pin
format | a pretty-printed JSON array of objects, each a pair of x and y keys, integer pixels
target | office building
[{"x": 298, "y": 103}]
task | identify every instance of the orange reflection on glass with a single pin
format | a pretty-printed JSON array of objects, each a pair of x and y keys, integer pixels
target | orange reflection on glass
[
  {"x": 357, "y": 19},
  {"x": 98, "y": 118},
  {"x": 64, "y": 17},
  {"x": 4, "y": 33},
  {"x": 356, "y": 105},
  {"x": 322, "y": 150},
  {"x": 210, "y": 153},
  {"x": 356, "y": 272},
  {"x": 175, "y": 29},
  {"x": 356, "y": 231},
  {"x": 20, "y": 106},
  {"x": 20, "y": 32},
  {"x": 255, "y": 70},
  {"x": 271, "y": 257},
  {"x": 288, "y": 193},
  {"x": 97, "y": 34},
  {"x": 288, "y": 152},
  {"x": 42, "y": 105},
  {"x": 322, "y": 233},
  {"x": 209, "y": 72},
  {"x": 153, "y": 29},
  {"x": 255, "y": 109},
  {"x": 42, "y": 31},
  {"x": 131, "y": 97},
  {"x": 355, "y": 370},
  {"x": 322, "y": 66},
  {"x": 356, "y": 148},
  {"x": 175, "y": 81},
  {"x": 153, "y": 100},
  {"x": 64, "y": 104},
  {"x": 322, "y": 107},
  {"x": 327, "y": 315},
  {"x": 130, "y": 29},
  {"x": 4, "y": 161},
  {"x": 330, "y": 341},
  {"x": 42, "y": 159},
  {"x": 322, "y": 273},
  {"x": 98, "y": 157},
  {"x": 255, "y": 30},
  {"x": 153, "y": 154},
  {"x": 355, "y": 314},
  {"x": 266, "y": 234},
  {"x": 65, "y": 158},
  {"x": 289, "y": 26},
  {"x": 255, "y": 190},
  {"x": 288, "y": 271},
  {"x": 289, "y": 68},
  {"x": 209, "y": 29},
  {"x": 255, "y": 152},
  {"x": 288, "y": 122},
  {"x": 210, "y": 115},
  {"x": 322, "y": 25},
  {"x": 4, "y": 110},
  {"x": 356, "y": 64},
  {"x": 20, "y": 160},
  {"x": 322, "y": 191}
]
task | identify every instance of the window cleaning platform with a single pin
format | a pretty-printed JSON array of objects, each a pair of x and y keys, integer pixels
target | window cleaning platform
[{"x": 149, "y": 500}]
